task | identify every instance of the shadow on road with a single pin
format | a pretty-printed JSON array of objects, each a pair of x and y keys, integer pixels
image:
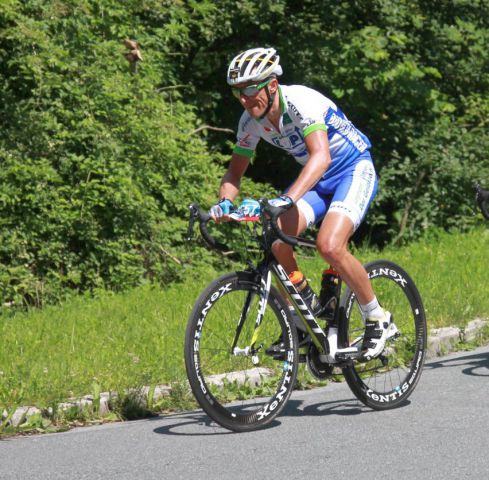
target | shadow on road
[
  {"x": 185, "y": 424},
  {"x": 348, "y": 407},
  {"x": 477, "y": 364}
]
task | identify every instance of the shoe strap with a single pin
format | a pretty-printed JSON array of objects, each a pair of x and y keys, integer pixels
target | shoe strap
[{"x": 372, "y": 330}]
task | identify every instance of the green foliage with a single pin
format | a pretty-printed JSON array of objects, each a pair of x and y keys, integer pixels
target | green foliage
[
  {"x": 100, "y": 158},
  {"x": 98, "y": 164}
]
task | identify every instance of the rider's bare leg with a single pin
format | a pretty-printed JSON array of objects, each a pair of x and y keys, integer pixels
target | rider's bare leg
[
  {"x": 291, "y": 222},
  {"x": 332, "y": 243}
]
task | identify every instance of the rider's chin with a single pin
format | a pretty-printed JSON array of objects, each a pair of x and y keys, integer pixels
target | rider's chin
[{"x": 255, "y": 111}]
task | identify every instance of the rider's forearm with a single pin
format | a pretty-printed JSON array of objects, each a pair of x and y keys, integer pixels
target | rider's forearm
[
  {"x": 230, "y": 185},
  {"x": 231, "y": 181},
  {"x": 309, "y": 176}
]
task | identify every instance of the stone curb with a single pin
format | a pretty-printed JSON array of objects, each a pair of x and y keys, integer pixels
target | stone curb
[
  {"x": 444, "y": 340},
  {"x": 22, "y": 414},
  {"x": 440, "y": 342}
]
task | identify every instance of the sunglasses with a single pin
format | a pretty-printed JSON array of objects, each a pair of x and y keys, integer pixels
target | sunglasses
[{"x": 250, "y": 90}]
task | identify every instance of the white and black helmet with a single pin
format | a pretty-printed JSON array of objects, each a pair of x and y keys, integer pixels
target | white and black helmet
[{"x": 255, "y": 64}]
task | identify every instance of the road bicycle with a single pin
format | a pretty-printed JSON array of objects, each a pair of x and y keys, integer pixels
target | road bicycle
[
  {"x": 240, "y": 380},
  {"x": 482, "y": 199}
]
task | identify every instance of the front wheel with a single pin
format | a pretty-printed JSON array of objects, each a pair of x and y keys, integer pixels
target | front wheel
[
  {"x": 387, "y": 381},
  {"x": 234, "y": 379}
]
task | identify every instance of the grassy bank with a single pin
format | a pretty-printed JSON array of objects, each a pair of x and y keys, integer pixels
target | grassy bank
[{"x": 116, "y": 342}]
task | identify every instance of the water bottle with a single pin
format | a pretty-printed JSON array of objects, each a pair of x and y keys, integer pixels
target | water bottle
[
  {"x": 330, "y": 291},
  {"x": 302, "y": 285}
]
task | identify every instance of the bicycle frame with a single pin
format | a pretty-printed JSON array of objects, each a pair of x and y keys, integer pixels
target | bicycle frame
[
  {"x": 265, "y": 270},
  {"x": 325, "y": 342}
]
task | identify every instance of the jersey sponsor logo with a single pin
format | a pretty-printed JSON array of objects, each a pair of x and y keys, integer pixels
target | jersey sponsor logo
[
  {"x": 289, "y": 142},
  {"x": 346, "y": 129},
  {"x": 294, "y": 110},
  {"x": 243, "y": 142},
  {"x": 292, "y": 141},
  {"x": 286, "y": 119}
]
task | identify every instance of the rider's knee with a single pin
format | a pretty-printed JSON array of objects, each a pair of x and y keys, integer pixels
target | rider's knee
[{"x": 331, "y": 250}]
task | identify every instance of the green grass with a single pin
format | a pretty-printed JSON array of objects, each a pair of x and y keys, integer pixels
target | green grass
[
  {"x": 109, "y": 343},
  {"x": 117, "y": 342}
]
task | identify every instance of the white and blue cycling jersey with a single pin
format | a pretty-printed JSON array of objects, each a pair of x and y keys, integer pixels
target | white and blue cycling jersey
[
  {"x": 350, "y": 182},
  {"x": 304, "y": 111}
]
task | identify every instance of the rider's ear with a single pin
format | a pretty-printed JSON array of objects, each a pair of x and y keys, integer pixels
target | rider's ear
[{"x": 273, "y": 86}]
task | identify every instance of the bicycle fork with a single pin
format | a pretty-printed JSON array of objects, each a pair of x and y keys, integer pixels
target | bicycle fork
[{"x": 265, "y": 284}]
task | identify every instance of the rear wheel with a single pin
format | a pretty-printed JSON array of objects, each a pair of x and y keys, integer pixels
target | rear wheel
[
  {"x": 388, "y": 380},
  {"x": 244, "y": 389}
]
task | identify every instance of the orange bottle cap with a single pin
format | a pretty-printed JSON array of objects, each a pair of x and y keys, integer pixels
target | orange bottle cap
[
  {"x": 296, "y": 277},
  {"x": 330, "y": 270}
]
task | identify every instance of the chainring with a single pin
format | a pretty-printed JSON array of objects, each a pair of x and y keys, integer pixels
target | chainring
[{"x": 320, "y": 370}]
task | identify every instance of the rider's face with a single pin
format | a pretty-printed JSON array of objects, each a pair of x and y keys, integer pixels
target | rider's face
[{"x": 256, "y": 105}]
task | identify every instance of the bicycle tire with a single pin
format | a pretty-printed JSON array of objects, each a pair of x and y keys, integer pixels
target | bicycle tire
[
  {"x": 235, "y": 392},
  {"x": 386, "y": 382}
]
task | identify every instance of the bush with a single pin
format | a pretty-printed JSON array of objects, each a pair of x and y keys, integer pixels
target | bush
[{"x": 98, "y": 164}]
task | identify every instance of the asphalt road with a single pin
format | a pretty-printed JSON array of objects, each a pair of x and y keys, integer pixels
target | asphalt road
[{"x": 441, "y": 433}]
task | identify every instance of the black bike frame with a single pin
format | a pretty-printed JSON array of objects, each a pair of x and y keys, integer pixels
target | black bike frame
[
  {"x": 268, "y": 265},
  {"x": 318, "y": 335}
]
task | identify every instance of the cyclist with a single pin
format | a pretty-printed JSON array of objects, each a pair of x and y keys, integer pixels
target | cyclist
[{"x": 336, "y": 184}]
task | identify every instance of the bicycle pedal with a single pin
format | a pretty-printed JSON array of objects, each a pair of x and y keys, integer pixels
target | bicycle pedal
[
  {"x": 347, "y": 354},
  {"x": 302, "y": 358}
]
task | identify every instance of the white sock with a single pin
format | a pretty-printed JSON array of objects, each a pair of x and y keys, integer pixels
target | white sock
[{"x": 372, "y": 309}]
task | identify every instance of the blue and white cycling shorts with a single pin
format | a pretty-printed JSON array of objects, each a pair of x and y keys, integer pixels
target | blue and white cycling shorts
[{"x": 349, "y": 192}]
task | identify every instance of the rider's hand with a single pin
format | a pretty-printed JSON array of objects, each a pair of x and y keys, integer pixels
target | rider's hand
[
  {"x": 249, "y": 209},
  {"x": 220, "y": 209},
  {"x": 284, "y": 201}
]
